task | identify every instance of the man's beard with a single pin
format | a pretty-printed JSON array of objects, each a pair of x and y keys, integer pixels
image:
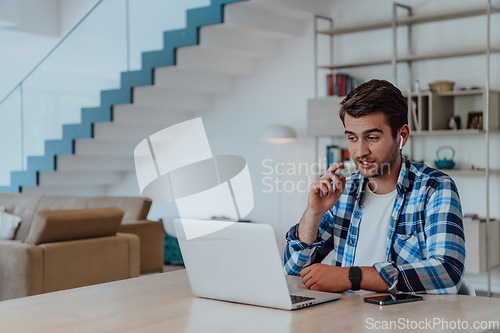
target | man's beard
[{"x": 381, "y": 168}]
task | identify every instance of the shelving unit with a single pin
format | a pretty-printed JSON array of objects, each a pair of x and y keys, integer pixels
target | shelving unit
[
  {"x": 396, "y": 22},
  {"x": 429, "y": 113},
  {"x": 433, "y": 111}
]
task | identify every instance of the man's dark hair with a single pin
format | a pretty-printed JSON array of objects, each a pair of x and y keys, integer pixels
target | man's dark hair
[{"x": 377, "y": 96}]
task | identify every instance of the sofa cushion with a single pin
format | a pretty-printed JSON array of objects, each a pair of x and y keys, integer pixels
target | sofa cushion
[
  {"x": 56, "y": 202},
  {"x": 8, "y": 224},
  {"x": 70, "y": 224},
  {"x": 134, "y": 208},
  {"x": 22, "y": 205}
]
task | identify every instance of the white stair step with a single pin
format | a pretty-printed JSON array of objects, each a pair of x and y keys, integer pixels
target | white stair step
[
  {"x": 93, "y": 147},
  {"x": 196, "y": 80},
  {"x": 91, "y": 163},
  {"x": 124, "y": 132},
  {"x": 216, "y": 60},
  {"x": 133, "y": 114},
  {"x": 81, "y": 190},
  {"x": 262, "y": 21},
  {"x": 172, "y": 98},
  {"x": 227, "y": 37},
  {"x": 72, "y": 178}
]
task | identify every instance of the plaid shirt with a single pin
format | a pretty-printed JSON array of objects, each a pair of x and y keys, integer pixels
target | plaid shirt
[{"x": 425, "y": 247}]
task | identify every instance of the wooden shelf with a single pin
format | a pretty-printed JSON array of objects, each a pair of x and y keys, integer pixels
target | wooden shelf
[
  {"x": 447, "y": 132},
  {"x": 358, "y": 64},
  {"x": 465, "y": 92},
  {"x": 409, "y": 20},
  {"x": 361, "y": 28},
  {"x": 453, "y": 54},
  {"x": 442, "y": 17},
  {"x": 463, "y": 172},
  {"x": 469, "y": 172},
  {"x": 421, "y": 57}
]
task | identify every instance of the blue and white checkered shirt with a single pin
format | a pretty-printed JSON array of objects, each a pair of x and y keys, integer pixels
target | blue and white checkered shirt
[{"x": 426, "y": 244}]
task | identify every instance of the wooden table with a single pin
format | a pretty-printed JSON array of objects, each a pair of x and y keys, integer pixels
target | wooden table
[{"x": 164, "y": 303}]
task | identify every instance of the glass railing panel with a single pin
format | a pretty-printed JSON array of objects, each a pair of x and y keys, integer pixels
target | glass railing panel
[
  {"x": 87, "y": 61},
  {"x": 110, "y": 39},
  {"x": 10, "y": 136},
  {"x": 148, "y": 18}
]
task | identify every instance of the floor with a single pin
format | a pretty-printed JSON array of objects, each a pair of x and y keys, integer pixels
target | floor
[{"x": 171, "y": 268}]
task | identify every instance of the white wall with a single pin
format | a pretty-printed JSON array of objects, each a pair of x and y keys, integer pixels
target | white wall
[{"x": 277, "y": 95}]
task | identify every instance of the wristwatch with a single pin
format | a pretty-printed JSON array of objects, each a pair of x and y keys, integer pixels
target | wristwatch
[{"x": 355, "y": 277}]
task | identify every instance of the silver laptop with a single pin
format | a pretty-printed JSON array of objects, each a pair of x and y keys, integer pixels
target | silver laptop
[{"x": 240, "y": 262}]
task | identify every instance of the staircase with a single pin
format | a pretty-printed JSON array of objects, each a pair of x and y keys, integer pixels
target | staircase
[{"x": 221, "y": 43}]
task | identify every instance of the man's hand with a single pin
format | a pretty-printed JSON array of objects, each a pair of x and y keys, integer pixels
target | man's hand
[
  {"x": 326, "y": 190},
  {"x": 335, "y": 279},
  {"x": 323, "y": 277},
  {"x": 322, "y": 196}
]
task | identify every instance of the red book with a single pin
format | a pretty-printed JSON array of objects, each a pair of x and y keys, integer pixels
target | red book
[
  {"x": 342, "y": 85},
  {"x": 329, "y": 85}
]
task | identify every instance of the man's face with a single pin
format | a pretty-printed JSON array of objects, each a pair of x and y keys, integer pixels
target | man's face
[{"x": 371, "y": 144}]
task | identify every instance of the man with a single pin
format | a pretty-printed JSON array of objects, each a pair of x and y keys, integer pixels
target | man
[{"x": 395, "y": 225}]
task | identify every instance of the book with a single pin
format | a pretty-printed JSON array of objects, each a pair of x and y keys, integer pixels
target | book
[
  {"x": 330, "y": 85},
  {"x": 341, "y": 84}
]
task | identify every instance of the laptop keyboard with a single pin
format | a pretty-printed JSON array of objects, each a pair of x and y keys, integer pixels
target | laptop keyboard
[{"x": 298, "y": 299}]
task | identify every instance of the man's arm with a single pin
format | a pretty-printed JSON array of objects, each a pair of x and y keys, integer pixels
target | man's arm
[
  {"x": 442, "y": 270},
  {"x": 323, "y": 277},
  {"x": 322, "y": 197},
  {"x": 302, "y": 239}
]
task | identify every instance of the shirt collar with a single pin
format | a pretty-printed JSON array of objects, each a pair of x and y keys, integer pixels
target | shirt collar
[{"x": 403, "y": 183}]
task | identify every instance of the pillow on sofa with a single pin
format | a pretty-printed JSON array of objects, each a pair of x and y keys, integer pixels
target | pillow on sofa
[
  {"x": 8, "y": 224},
  {"x": 70, "y": 224}
]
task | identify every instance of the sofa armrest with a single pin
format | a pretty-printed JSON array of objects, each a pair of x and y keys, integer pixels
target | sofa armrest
[
  {"x": 71, "y": 224},
  {"x": 134, "y": 252},
  {"x": 152, "y": 244},
  {"x": 21, "y": 270}
]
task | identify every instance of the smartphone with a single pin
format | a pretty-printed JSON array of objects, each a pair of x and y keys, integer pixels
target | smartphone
[{"x": 393, "y": 299}]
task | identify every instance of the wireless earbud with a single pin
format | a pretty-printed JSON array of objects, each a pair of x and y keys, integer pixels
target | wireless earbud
[{"x": 401, "y": 142}]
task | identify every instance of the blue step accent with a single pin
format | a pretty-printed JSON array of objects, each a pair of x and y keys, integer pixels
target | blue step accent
[{"x": 196, "y": 18}]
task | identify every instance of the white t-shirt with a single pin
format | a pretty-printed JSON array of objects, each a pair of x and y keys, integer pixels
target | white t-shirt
[{"x": 374, "y": 228}]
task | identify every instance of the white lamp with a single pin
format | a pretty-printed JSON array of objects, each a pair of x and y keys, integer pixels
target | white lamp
[{"x": 278, "y": 134}]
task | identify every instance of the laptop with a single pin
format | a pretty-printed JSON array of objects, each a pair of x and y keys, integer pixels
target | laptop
[{"x": 240, "y": 262}]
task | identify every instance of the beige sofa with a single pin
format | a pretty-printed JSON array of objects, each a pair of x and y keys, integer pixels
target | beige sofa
[{"x": 68, "y": 241}]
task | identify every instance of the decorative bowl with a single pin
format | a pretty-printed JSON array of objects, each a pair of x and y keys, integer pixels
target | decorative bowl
[{"x": 441, "y": 86}]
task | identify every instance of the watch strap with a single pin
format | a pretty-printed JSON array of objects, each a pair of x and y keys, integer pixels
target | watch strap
[{"x": 355, "y": 277}]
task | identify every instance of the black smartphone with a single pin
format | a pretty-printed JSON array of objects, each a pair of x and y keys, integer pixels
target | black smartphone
[{"x": 393, "y": 299}]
